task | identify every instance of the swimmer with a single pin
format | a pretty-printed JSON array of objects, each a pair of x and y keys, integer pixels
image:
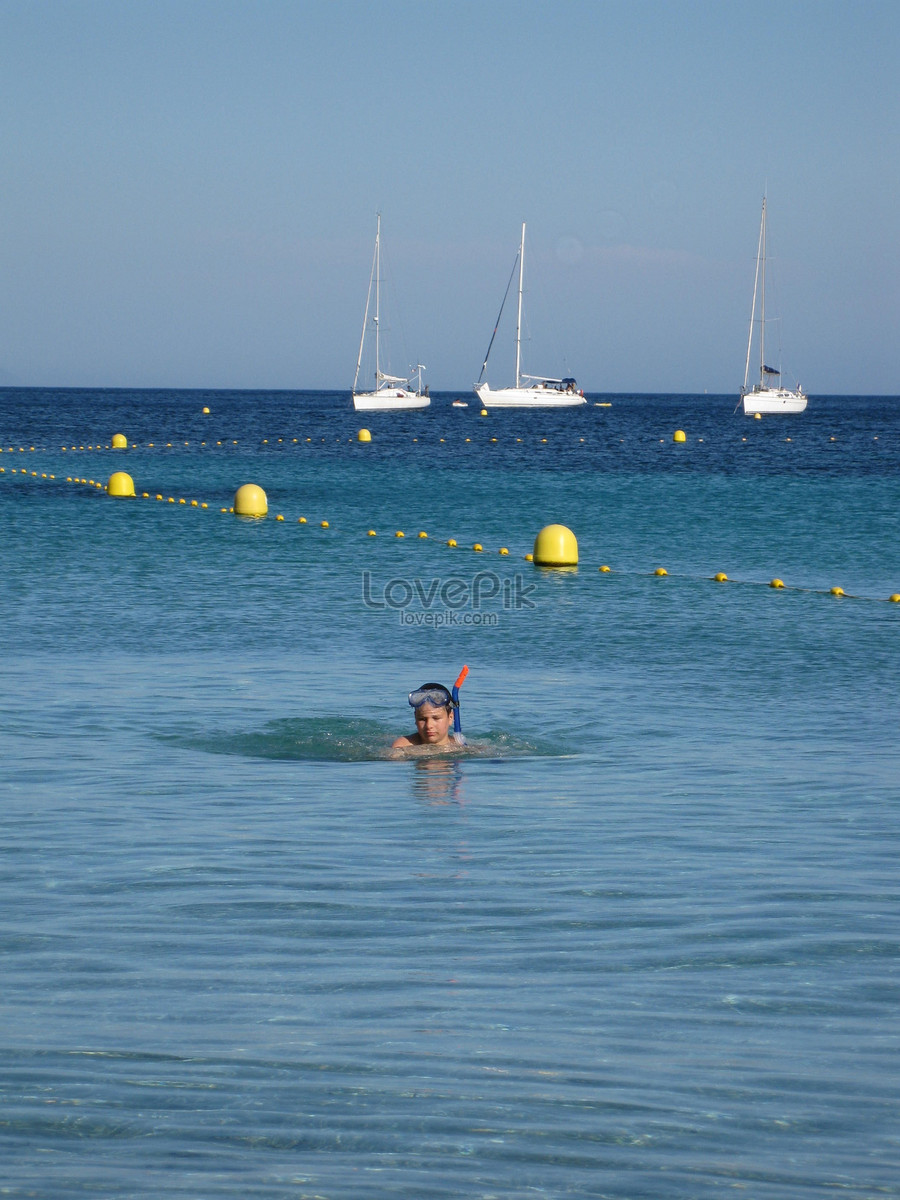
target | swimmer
[{"x": 433, "y": 705}]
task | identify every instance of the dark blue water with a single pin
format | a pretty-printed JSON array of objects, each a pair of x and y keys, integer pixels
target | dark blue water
[{"x": 642, "y": 942}]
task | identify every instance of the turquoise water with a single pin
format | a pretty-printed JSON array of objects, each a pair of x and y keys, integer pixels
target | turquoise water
[{"x": 643, "y": 942}]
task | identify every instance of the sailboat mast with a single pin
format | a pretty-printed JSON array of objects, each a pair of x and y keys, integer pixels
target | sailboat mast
[
  {"x": 762, "y": 298},
  {"x": 377, "y": 299},
  {"x": 365, "y": 315},
  {"x": 759, "y": 256},
  {"x": 519, "y": 312}
]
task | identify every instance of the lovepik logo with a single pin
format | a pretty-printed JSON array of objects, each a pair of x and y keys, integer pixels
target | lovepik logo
[{"x": 450, "y": 595}]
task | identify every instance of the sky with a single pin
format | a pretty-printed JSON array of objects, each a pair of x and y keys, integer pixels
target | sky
[{"x": 190, "y": 189}]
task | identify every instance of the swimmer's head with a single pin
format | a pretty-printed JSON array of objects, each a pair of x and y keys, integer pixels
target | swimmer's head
[{"x": 435, "y": 695}]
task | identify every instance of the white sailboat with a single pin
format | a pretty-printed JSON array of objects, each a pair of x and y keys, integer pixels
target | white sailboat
[
  {"x": 767, "y": 396},
  {"x": 391, "y": 392},
  {"x": 529, "y": 391}
]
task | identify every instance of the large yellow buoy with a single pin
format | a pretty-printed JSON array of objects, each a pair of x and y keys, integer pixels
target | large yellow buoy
[
  {"x": 556, "y": 546},
  {"x": 250, "y": 501},
  {"x": 679, "y": 436},
  {"x": 119, "y": 441},
  {"x": 120, "y": 483},
  {"x": 364, "y": 436}
]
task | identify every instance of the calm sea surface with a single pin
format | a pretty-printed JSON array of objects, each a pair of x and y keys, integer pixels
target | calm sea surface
[{"x": 643, "y": 942}]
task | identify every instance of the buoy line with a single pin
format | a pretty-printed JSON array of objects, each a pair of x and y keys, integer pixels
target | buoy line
[
  {"x": 555, "y": 545},
  {"x": 119, "y": 441}
]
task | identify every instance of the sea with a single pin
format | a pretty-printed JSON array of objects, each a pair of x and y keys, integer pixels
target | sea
[{"x": 639, "y": 938}]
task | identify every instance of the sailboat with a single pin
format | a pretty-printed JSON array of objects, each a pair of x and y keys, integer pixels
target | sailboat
[
  {"x": 529, "y": 391},
  {"x": 391, "y": 391},
  {"x": 767, "y": 396}
]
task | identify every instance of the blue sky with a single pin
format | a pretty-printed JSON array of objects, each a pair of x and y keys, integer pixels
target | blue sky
[{"x": 190, "y": 189}]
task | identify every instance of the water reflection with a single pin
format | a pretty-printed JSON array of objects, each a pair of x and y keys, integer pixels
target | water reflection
[{"x": 438, "y": 780}]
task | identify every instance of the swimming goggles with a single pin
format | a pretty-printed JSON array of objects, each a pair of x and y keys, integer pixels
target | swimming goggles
[{"x": 434, "y": 694}]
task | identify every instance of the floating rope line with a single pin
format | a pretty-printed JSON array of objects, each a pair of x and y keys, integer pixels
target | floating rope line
[{"x": 476, "y": 547}]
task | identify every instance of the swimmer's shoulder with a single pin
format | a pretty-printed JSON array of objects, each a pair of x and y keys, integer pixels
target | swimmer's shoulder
[{"x": 401, "y": 743}]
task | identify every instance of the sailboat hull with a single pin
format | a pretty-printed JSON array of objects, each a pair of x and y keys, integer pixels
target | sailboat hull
[
  {"x": 389, "y": 400},
  {"x": 527, "y": 397},
  {"x": 773, "y": 400}
]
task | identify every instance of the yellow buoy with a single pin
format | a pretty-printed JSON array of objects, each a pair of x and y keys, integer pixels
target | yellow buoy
[
  {"x": 371, "y": 533},
  {"x": 604, "y": 570},
  {"x": 503, "y": 550},
  {"x": 660, "y": 571},
  {"x": 422, "y": 533},
  {"x": 679, "y": 436},
  {"x": 119, "y": 441},
  {"x": 364, "y": 436},
  {"x": 478, "y": 547},
  {"x": 323, "y": 524},
  {"x": 556, "y": 546},
  {"x": 484, "y": 412},
  {"x": 301, "y": 520},
  {"x": 777, "y": 583},
  {"x": 529, "y": 558},
  {"x": 895, "y": 598},
  {"x": 120, "y": 483},
  {"x": 720, "y": 577},
  {"x": 757, "y": 416},
  {"x": 837, "y": 591},
  {"x": 250, "y": 501},
  {"x": 399, "y": 533},
  {"x": 451, "y": 541},
  {"x": 205, "y": 411}
]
